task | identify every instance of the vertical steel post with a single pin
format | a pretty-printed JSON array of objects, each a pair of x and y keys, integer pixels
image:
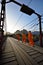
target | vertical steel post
[
  {"x": 2, "y": 14},
  {"x": 40, "y": 30},
  {"x": 39, "y": 16}
]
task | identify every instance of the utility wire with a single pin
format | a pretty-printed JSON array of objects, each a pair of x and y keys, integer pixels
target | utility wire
[
  {"x": 21, "y": 14},
  {"x": 35, "y": 28},
  {"x": 18, "y": 20},
  {"x": 29, "y": 23},
  {"x": 29, "y": 2},
  {"x": 35, "y": 25}
]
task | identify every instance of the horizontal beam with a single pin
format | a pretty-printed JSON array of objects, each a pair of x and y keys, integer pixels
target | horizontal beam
[{"x": 14, "y": 2}]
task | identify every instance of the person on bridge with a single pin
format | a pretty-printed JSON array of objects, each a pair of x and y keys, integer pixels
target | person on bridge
[
  {"x": 30, "y": 38},
  {"x": 23, "y": 37},
  {"x": 18, "y": 36}
]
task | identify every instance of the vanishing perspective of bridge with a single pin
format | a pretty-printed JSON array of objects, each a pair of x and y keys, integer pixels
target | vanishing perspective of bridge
[{"x": 14, "y": 52}]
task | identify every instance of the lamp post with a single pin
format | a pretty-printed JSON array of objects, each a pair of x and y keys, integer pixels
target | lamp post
[{"x": 30, "y": 11}]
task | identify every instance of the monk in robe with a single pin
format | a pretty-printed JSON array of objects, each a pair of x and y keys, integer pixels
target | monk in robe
[
  {"x": 18, "y": 37},
  {"x": 23, "y": 38},
  {"x": 30, "y": 38}
]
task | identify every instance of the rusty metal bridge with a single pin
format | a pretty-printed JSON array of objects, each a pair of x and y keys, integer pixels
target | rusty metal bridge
[{"x": 13, "y": 51}]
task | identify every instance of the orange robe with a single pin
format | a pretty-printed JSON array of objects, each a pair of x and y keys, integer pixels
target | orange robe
[
  {"x": 23, "y": 38},
  {"x": 30, "y": 39},
  {"x": 18, "y": 37}
]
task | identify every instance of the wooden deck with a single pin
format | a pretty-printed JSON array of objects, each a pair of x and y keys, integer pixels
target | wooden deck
[{"x": 18, "y": 53}]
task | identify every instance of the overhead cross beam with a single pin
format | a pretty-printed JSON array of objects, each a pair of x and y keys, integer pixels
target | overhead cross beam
[{"x": 14, "y": 2}]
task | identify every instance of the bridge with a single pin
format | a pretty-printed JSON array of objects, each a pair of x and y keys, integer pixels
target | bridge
[{"x": 17, "y": 52}]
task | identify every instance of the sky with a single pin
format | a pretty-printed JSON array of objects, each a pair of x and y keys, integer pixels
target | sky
[{"x": 16, "y": 20}]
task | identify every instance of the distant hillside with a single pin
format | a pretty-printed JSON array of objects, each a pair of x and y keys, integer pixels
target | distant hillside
[
  {"x": 22, "y": 31},
  {"x": 18, "y": 32},
  {"x": 35, "y": 33},
  {"x": 26, "y": 32}
]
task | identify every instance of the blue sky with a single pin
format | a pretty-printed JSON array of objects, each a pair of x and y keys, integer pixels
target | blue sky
[{"x": 15, "y": 19}]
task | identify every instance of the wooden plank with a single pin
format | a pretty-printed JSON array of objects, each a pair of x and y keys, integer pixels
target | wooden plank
[
  {"x": 7, "y": 60},
  {"x": 33, "y": 53},
  {"x": 19, "y": 59},
  {"x": 39, "y": 49},
  {"x": 41, "y": 63},
  {"x": 7, "y": 46},
  {"x": 24, "y": 58},
  {"x": 11, "y": 63},
  {"x": 7, "y": 56},
  {"x": 40, "y": 58},
  {"x": 28, "y": 51},
  {"x": 27, "y": 59},
  {"x": 36, "y": 55}
]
